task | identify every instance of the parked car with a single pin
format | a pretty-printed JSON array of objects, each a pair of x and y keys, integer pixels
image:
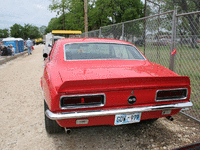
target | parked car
[
  {"x": 38, "y": 41},
  {"x": 91, "y": 81}
]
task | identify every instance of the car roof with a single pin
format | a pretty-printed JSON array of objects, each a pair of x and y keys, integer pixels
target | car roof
[{"x": 88, "y": 40}]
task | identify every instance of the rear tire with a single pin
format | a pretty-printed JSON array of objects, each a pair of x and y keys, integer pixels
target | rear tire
[{"x": 51, "y": 126}]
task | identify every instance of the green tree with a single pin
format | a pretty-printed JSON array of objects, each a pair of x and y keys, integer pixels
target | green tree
[
  {"x": 105, "y": 12},
  {"x": 128, "y": 10},
  {"x": 100, "y": 13},
  {"x": 54, "y": 24},
  {"x": 59, "y": 6},
  {"x": 28, "y": 31},
  {"x": 4, "y": 33},
  {"x": 188, "y": 23},
  {"x": 75, "y": 16},
  {"x": 16, "y": 30},
  {"x": 73, "y": 19},
  {"x": 42, "y": 30},
  {"x": 182, "y": 6}
]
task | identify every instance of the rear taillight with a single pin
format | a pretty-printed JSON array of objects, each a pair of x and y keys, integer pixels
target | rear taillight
[
  {"x": 171, "y": 94},
  {"x": 80, "y": 101}
]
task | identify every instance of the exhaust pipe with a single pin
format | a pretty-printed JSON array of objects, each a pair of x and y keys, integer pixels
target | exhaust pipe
[
  {"x": 68, "y": 131},
  {"x": 170, "y": 118}
]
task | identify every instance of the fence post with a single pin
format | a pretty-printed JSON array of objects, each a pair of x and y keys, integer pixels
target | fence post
[
  {"x": 95, "y": 35},
  {"x": 144, "y": 35},
  {"x": 100, "y": 32},
  {"x": 173, "y": 42},
  {"x": 122, "y": 31}
]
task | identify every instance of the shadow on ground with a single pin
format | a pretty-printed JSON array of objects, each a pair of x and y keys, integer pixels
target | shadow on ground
[{"x": 161, "y": 134}]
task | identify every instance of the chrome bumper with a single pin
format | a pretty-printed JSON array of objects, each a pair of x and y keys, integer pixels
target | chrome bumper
[{"x": 84, "y": 114}]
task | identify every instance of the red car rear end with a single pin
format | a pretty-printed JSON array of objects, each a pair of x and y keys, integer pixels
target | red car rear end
[{"x": 89, "y": 82}]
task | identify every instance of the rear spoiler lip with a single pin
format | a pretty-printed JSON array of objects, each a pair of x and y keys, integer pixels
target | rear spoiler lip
[{"x": 123, "y": 84}]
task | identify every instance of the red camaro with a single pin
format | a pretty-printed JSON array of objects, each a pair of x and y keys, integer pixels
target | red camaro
[{"x": 91, "y": 81}]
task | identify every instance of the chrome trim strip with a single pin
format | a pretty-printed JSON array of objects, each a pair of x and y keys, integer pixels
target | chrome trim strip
[
  {"x": 172, "y": 99},
  {"x": 85, "y": 106},
  {"x": 93, "y": 113}
]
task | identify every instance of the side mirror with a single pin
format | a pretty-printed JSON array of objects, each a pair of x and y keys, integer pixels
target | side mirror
[{"x": 49, "y": 45}]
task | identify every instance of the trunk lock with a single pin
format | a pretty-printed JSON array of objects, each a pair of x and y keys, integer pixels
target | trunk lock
[{"x": 132, "y": 99}]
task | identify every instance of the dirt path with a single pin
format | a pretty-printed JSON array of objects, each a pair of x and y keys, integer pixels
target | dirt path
[{"x": 22, "y": 118}]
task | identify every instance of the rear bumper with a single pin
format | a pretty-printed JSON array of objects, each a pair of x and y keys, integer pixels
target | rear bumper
[{"x": 85, "y": 114}]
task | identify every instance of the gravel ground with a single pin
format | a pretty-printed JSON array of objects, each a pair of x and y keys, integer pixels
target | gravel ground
[{"x": 22, "y": 118}]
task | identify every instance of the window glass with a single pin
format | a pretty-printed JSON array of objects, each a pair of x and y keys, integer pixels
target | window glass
[{"x": 79, "y": 51}]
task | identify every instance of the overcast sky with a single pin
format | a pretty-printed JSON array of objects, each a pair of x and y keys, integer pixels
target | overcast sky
[{"x": 22, "y": 12}]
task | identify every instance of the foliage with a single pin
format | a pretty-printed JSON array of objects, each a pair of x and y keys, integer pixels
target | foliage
[
  {"x": 16, "y": 30},
  {"x": 60, "y": 7},
  {"x": 108, "y": 12},
  {"x": 128, "y": 10},
  {"x": 28, "y": 31},
  {"x": 116, "y": 11},
  {"x": 42, "y": 30},
  {"x": 183, "y": 6},
  {"x": 100, "y": 13},
  {"x": 192, "y": 21},
  {"x": 4, "y": 33},
  {"x": 75, "y": 17},
  {"x": 54, "y": 24}
]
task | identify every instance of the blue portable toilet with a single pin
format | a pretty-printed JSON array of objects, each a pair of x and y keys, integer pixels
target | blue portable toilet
[
  {"x": 17, "y": 43},
  {"x": 20, "y": 44}
]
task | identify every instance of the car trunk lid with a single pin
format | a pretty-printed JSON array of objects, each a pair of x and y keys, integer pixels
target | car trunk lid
[{"x": 101, "y": 85}]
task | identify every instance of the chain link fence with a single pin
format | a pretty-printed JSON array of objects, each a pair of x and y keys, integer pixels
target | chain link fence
[
  {"x": 157, "y": 36},
  {"x": 187, "y": 61}
]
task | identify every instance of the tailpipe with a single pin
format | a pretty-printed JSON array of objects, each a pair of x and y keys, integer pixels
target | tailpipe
[
  {"x": 68, "y": 131},
  {"x": 170, "y": 118}
]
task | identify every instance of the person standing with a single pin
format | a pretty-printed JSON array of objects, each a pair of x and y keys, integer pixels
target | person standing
[
  {"x": 5, "y": 51},
  {"x": 29, "y": 43},
  {"x": 9, "y": 51},
  {"x": 1, "y": 50},
  {"x": 13, "y": 50}
]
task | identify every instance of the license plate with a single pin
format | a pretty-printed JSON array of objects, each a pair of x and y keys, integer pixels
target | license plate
[
  {"x": 127, "y": 118},
  {"x": 166, "y": 112}
]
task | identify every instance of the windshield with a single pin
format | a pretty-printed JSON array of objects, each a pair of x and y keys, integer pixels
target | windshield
[{"x": 87, "y": 51}]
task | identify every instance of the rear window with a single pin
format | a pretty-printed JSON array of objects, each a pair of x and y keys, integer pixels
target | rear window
[{"x": 87, "y": 51}]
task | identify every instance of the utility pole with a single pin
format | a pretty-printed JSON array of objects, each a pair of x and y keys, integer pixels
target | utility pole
[
  {"x": 86, "y": 18},
  {"x": 144, "y": 36}
]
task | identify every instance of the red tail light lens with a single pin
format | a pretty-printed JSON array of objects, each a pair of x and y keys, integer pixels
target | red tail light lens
[
  {"x": 76, "y": 101},
  {"x": 174, "y": 94}
]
